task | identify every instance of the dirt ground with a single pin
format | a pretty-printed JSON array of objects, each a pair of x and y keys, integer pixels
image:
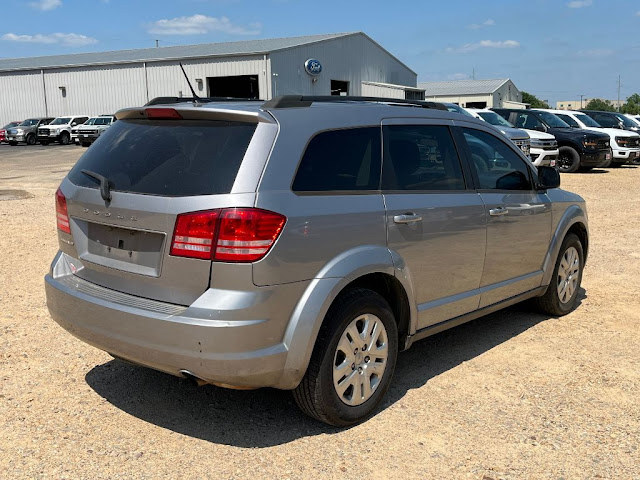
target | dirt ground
[{"x": 513, "y": 395}]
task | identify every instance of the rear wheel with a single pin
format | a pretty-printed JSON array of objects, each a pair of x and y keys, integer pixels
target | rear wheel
[
  {"x": 352, "y": 362},
  {"x": 561, "y": 296},
  {"x": 31, "y": 139},
  {"x": 568, "y": 160}
]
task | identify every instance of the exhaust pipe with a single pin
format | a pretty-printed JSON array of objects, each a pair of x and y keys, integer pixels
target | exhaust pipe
[{"x": 200, "y": 382}]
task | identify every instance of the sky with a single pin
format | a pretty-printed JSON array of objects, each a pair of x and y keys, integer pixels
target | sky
[{"x": 555, "y": 49}]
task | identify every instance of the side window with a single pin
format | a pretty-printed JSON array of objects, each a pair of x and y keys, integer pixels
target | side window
[
  {"x": 528, "y": 121},
  {"x": 498, "y": 167},
  {"x": 340, "y": 160},
  {"x": 420, "y": 157},
  {"x": 569, "y": 120}
]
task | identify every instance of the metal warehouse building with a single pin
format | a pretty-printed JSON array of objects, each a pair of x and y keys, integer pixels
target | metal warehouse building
[
  {"x": 500, "y": 92},
  {"x": 100, "y": 83}
]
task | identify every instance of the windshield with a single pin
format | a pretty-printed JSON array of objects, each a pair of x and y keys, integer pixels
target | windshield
[
  {"x": 568, "y": 119},
  {"x": 61, "y": 121},
  {"x": 29, "y": 123},
  {"x": 452, "y": 107},
  {"x": 551, "y": 120},
  {"x": 9, "y": 125},
  {"x": 494, "y": 119},
  {"x": 91, "y": 121},
  {"x": 625, "y": 121},
  {"x": 587, "y": 120},
  {"x": 102, "y": 121}
]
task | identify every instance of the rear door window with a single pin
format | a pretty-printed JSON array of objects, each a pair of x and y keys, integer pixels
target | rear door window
[
  {"x": 340, "y": 160},
  {"x": 420, "y": 157},
  {"x": 170, "y": 158}
]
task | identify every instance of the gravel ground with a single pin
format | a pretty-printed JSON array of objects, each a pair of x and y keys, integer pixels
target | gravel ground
[{"x": 513, "y": 395}]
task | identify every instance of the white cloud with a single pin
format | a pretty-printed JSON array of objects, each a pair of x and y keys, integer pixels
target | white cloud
[
  {"x": 65, "y": 39},
  {"x": 201, "y": 24},
  {"x": 487, "y": 23},
  {"x": 580, "y": 3},
  {"x": 470, "y": 47},
  {"x": 596, "y": 52},
  {"x": 45, "y": 5}
]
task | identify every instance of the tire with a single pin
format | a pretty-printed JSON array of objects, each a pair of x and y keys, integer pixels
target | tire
[
  {"x": 31, "y": 139},
  {"x": 13, "y": 144},
  {"x": 568, "y": 160},
  {"x": 44, "y": 142},
  {"x": 64, "y": 138},
  {"x": 317, "y": 395},
  {"x": 85, "y": 144},
  {"x": 570, "y": 259}
]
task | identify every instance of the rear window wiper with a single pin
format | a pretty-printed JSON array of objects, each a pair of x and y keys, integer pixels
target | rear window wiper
[{"x": 105, "y": 184}]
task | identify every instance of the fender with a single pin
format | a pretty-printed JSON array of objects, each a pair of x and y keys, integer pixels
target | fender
[
  {"x": 304, "y": 324},
  {"x": 572, "y": 215}
]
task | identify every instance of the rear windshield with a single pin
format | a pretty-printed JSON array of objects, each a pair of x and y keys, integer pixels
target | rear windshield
[{"x": 171, "y": 158}]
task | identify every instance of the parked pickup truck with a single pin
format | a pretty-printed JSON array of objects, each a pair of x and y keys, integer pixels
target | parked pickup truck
[
  {"x": 3, "y": 131},
  {"x": 26, "y": 132},
  {"x": 578, "y": 148},
  {"x": 59, "y": 130},
  {"x": 89, "y": 132},
  {"x": 625, "y": 144}
]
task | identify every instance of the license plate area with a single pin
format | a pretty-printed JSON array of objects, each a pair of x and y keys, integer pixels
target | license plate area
[{"x": 135, "y": 251}]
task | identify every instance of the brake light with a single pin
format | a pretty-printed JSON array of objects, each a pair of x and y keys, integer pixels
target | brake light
[
  {"x": 62, "y": 217},
  {"x": 163, "y": 113},
  {"x": 228, "y": 235},
  {"x": 194, "y": 234}
]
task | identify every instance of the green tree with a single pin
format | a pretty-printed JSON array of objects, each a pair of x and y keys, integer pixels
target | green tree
[
  {"x": 632, "y": 105},
  {"x": 534, "y": 101},
  {"x": 599, "y": 104}
]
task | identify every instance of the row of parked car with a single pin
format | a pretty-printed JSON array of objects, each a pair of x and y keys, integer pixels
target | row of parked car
[
  {"x": 80, "y": 129},
  {"x": 571, "y": 140}
]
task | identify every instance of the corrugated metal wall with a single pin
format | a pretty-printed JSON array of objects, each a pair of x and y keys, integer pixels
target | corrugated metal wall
[
  {"x": 369, "y": 90},
  {"x": 354, "y": 59},
  {"x": 21, "y": 96},
  {"x": 166, "y": 78},
  {"x": 94, "y": 90}
]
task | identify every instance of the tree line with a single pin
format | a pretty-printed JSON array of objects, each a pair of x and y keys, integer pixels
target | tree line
[{"x": 632, "y": 105}]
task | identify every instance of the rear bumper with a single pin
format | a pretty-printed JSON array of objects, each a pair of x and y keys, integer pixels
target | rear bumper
[{"x": 213, "y": 344}]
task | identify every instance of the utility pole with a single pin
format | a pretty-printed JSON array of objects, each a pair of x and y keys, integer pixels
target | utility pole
[
  {"x": 473, "y": 74},
  {"x": 618, "y": 93},
  {"x": 581, "y": 97},
  {"x": 157, "y": 41}
]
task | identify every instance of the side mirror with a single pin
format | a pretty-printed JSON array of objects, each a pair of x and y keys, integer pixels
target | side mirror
[
  {"x": 74, "y": 124},
  {"x": 540, "y": 128},
  {"x": 548, "y": 177}
]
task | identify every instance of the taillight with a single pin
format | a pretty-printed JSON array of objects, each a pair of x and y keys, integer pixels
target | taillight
[
  {"x": 247, "y": 234},
  {"x": 228, "y": 235},
  {"x": 194, "y": 234},
  {"x": 62, "y": 217}
]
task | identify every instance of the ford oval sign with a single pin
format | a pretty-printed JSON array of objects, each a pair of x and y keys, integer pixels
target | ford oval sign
[{"x": 313, "y": 67}]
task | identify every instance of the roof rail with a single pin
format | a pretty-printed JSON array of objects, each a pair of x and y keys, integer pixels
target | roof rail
[
  {"x": 170, "y": 100},
  {"x": 298, "y": 101}
]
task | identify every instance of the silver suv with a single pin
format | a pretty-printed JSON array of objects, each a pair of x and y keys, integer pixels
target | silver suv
[{"x": 302, "y": 243}]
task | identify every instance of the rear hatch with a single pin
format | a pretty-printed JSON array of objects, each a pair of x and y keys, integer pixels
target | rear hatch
[{"x": 154, "y": 169}]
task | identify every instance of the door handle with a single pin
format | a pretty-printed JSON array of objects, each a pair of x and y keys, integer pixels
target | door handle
[
  {"x": 499, "y": 211},
  {"x": 407, "y": 218}
]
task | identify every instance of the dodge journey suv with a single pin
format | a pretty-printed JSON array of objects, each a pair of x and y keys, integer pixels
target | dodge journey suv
[{"x": 303, "y": 242}]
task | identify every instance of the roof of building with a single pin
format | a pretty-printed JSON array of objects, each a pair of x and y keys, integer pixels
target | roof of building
[
  {"x": 462, "y": 87},
  {"x": 246, "y": 47}
]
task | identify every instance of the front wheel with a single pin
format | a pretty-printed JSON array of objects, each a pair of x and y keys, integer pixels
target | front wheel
[
  {"x": 568, "y": 160},
  {"x": 64, "y": 138},
  {"x": 31, "y": 139},
  {"x": 352, "y": 362},
  {"x": 561, "y": 296}
]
